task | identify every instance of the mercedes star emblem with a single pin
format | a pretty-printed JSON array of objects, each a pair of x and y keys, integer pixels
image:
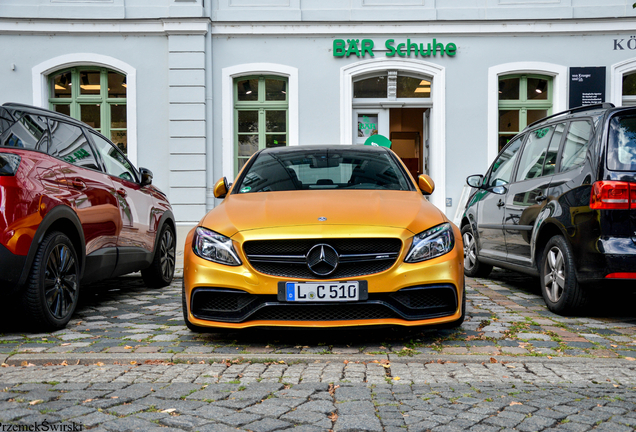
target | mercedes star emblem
[{"x": 322, "y": 259}]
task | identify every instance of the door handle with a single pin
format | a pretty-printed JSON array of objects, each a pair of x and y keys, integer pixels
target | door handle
[
  {"x": 121, "y": 192},
  {"x": 541, "y": 198},
  {"x": 78, "y": 184},
  {"x": 501, "y": 203}
]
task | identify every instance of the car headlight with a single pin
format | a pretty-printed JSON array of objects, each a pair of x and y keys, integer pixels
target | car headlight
[
  {"x": 215, "y": 247},
  {"x": 431, "y": 243}
]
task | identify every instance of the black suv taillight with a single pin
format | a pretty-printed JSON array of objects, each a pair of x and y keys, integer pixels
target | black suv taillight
[
  {"x": 613, "y": 195},
  {"x": 9, "y": 164}
]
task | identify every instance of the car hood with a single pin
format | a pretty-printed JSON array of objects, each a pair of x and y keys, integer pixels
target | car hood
[{"x": 251, "y": 211}]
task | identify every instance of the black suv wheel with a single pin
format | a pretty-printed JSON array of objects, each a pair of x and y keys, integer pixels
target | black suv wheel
[
  {"x": 472, "y": 266},
  {"x": 561, "y": 291}
]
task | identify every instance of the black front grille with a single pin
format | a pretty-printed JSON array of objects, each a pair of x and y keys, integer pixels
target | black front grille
[
  {"x": 270, "y": 251},
  {"x": 413, "y": 303}
]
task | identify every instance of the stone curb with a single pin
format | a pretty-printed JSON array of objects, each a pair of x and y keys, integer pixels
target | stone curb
[{"x": 141, "y": 358}]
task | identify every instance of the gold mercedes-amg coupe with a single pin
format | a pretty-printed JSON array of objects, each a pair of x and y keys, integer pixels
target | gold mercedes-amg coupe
[{"x": 324, "y": 236}]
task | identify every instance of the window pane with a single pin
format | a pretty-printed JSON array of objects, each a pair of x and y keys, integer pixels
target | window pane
[
  {"x": 248, "y": 90},
  {"x": 275, "y": 89},
  {"x": 29, "y": 132},
  {"x": 62, "y": 85},
  {"x": 118, "y": 116},
  {"x": 62, "y": 109},
  {"x": 549, "y": 167},
  {"x": 534, "y": 152},
  {"x": 120, "y": 139},
  {"x": 621, "y": 153},
  {"x": 509, "y": 89},
  {"x": 375, "y": 87},
  {"x": 367, "y": 125},
  {"x": 534, "y": 115},
  {"x": 241, "y": 163},
  {"x": 504, "y": 139},
  {"x": 91, "y": 115},
  {"x": 508, "y": 120},
  {"x": 116, "y": 85},
  {"x": 576, "y": 143},
  {"x": 248, "y": 121},
  {"x": 629, "y": 84},
  {"x": 408, "y": 87},
  {"x": 276, "y": 140},
  {"x": 116, "y": 164},
  {"x": 90, "y": 82},
  {"x": 502, "y": 168},
  {"x": 275, "y": 121},
  {"x": 247, "y": 145},
  {"x": 537, "y": 89},
  {"x": 69, "y": 143}
]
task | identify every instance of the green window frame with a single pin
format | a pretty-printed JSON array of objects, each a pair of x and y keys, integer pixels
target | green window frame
[
  {"x": 523, "y": 99},
  {"x": 261, "y": 115},
  {"x": 96, "y": 96}
]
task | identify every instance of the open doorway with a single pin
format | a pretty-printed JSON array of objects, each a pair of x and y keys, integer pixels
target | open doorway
[{"x": 408, "y": 132}]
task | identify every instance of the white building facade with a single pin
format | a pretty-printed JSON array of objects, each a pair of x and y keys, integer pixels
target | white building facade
[{"x": 191, "y": 88}]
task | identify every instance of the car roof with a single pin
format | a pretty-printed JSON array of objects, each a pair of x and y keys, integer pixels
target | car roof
[
  {"x": 324, "y": 147},
  {"x": 30, "y": 109}
]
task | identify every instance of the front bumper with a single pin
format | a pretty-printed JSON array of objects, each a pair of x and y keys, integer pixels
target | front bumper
[{"x": 425, "y": 293}]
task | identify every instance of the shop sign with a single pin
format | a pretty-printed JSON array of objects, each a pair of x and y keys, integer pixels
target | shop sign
[
  {"x": 360, "y": 48},
  {"x": 587, "y": 86}
]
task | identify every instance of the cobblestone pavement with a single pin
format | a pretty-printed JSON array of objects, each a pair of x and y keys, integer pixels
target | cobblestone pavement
[
  {"x": 127, "y": 362},
  {"x": 262, "y": 397},
  {"x": 505, "y": 316}
]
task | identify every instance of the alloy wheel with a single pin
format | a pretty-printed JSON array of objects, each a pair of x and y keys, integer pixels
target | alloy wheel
[
  {"x": 470, "y": 250},
  {"x": 554, "y": 271},
  {"x": 60, "y": 281},
  {"x": 167, "y": 250}
]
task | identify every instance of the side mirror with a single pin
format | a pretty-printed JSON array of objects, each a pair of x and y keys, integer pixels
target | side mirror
[
  {"x": 475, "y": 180},
  {"x": 146, "y": 176},
  {"x": 221, "y": 188},
  {"x": 426, "y": 184}
]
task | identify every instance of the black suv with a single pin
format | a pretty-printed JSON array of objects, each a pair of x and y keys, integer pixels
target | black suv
[{"x": 559, "y": 202}]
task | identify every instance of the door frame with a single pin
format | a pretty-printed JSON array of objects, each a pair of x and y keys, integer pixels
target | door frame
[{"x": 437, "y": 149}]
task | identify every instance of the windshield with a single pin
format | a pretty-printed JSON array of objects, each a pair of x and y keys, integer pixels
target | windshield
[
  {"x": 323, "y": 169},
  {"x": 621, "y": 152}
]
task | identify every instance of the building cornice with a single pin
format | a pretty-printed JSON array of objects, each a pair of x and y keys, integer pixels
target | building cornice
[{"x": 190, "y": 26}]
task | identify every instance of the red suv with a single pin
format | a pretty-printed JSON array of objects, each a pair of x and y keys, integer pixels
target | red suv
[{"x": 73, "y": 210}]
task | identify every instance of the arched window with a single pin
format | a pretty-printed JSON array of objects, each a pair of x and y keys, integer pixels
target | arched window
[
  {"x": 523, "y": 99},
  {"x": 96, "y": 96},
  {"x": 261, "y": 114},
  {"x": 629, "y": 89}
]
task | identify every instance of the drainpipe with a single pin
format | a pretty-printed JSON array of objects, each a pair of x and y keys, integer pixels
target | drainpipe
[{"x": 209, "y": 118}]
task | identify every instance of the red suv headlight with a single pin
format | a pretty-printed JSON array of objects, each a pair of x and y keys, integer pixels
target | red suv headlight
[{"x": 9, "y": 164}]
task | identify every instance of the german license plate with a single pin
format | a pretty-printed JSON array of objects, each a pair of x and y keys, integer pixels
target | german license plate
[{"x": 322, "y": 292}]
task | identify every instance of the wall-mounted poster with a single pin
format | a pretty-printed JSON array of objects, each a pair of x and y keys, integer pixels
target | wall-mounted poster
[
  {"x": 587, "y": 86},
  {"x": 367, "y": 125}
]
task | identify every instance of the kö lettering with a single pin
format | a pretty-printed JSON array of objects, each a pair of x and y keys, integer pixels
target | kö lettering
[{"x": 630, "y": 44}]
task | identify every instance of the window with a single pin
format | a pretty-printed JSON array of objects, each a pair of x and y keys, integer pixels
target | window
[
  {"x": 261, "y": 115},
  {"x": 503, "y": 166},
  {"x": 629, "y": 89},
  {"x": 577, "y": 141},
  {"x": 69, "y": 143},
  {"x": 114, "y": 161},
  {"x": 523, "y": 99},
  {"x": 96, "y": 96},
  {"x": 391, "y": 86},
  {"x": 534, "y": 154},
  {"x": 29, "y": 132}
]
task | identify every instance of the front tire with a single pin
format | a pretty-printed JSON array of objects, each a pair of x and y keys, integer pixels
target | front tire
[
  {"x": 472, "y": 266},
  {"x": 52, "y": 291},
  {"x": 161, "y": 271},
  {"x": 561, "y": 290}
]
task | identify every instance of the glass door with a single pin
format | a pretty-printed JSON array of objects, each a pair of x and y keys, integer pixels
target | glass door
[{"x": 368, "y": 122}]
